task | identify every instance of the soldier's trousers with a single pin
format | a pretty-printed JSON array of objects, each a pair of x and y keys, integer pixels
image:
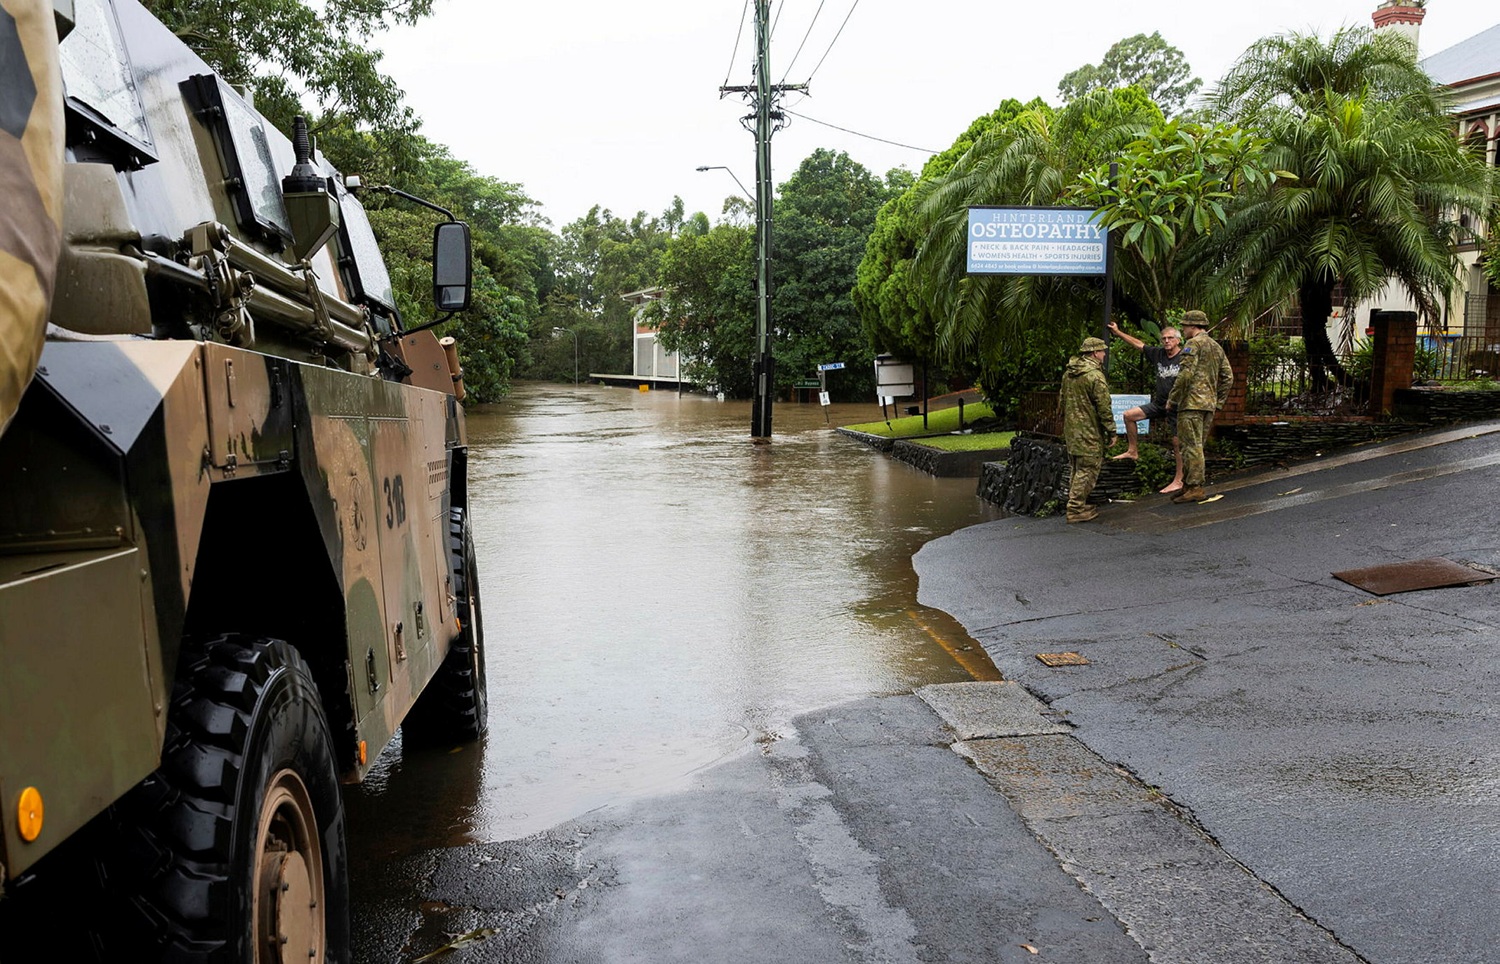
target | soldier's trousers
[
  {"x": 1192, "y": 428},
  {"x": 1085, "y": 475}
]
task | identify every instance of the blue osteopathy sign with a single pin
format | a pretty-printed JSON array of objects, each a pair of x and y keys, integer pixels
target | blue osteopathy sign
[{"x": 1035, "y": 241}]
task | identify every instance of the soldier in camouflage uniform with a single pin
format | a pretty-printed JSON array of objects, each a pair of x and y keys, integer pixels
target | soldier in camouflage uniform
[
  {"x": 1202, "y": 388},
  {"x": 1088, "y": 425}
]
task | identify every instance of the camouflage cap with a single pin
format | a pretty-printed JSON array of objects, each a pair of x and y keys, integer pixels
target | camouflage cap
[
  {"x": 1195, "y": 318},
  {"x": 1092, "y": 345}
]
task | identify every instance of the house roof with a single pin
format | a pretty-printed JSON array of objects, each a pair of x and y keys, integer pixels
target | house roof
[{"x": 1479, "y": 56}]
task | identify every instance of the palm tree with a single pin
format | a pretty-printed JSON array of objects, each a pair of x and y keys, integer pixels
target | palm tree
[
  {"x": 1379, "y": 180},
  {"x": 1035, "y": 159}
]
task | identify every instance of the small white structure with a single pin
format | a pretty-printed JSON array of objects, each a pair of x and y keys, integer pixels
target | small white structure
[{"x": 652, "y": 362}]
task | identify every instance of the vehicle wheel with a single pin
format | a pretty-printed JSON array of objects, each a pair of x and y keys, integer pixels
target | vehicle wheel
[
  {"x": 455, "y": 707},
  {"x": 234, "y": 851}
]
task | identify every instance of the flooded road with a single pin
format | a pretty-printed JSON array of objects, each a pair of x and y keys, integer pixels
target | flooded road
[{"x": 659, "y": 593}]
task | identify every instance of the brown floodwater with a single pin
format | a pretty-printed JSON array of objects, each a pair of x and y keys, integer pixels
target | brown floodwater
[{"x": 658, "y": 593}]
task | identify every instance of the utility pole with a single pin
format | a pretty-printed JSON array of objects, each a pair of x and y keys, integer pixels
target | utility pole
[{"x": 768, "y": 119}]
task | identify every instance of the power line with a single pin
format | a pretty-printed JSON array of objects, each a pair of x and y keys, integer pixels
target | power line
[
  {"x": 834, "y": 40},
  {"x": 810, "y": 26},
  {"x": 871, "y": 137},
  {"x": 736, "y": 52}
]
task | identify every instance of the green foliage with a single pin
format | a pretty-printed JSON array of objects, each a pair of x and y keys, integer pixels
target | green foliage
[
  {"x": 286, "y": 48},
  {"x": 824, "y": 217},
  {"x": 1155, "y": 467},
  {"x": 1491, "y": 265},
  {"x": 1173, "y": 188},
  {"x": 707, "y": 312},
  {"x": 1380, "y": 180},
  {"x": 596, "y": 259},
  {"x": 894, "y": 316},
  {"x": 1018, "y": 330},
  {"x": 1150, "y": 63}
]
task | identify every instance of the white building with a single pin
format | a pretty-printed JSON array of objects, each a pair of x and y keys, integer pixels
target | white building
[
  {"x": 1470, "y": 71},
  {"x": 652, "y": 363}
]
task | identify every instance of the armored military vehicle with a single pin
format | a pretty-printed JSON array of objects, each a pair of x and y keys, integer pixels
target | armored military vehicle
[{"x": 235, "y": 552}]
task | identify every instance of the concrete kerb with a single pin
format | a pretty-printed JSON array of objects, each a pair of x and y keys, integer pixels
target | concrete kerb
[{"x": 1147, "y": 861}]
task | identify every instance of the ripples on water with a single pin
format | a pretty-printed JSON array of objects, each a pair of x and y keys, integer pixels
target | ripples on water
[{"x": 659, "y": 592}]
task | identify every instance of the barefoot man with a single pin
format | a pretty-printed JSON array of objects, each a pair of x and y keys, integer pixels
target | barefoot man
[{"x": 1168, "y": 360}]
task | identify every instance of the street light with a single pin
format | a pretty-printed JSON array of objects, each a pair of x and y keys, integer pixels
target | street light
[
  {"x": 720, "y": 167},
  {"x": 559, "y": 331}
]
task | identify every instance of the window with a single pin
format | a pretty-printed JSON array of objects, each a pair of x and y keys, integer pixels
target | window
[
  {"x": 105, "y": 118},
  {"x": 371, "y": 280},
  {"x": 250, "y": 174}
]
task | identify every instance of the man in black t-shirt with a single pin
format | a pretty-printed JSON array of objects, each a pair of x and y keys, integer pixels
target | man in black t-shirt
[{"x": 1167, "y": 360}]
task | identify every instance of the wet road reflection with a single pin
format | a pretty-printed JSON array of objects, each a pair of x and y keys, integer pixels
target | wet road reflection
[{"x": 658, "y": 592}]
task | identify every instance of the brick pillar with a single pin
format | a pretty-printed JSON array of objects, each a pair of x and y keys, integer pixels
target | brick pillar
[
  {"x": 1233, "y": 412},
  {"x": 1394, "y": 357}
]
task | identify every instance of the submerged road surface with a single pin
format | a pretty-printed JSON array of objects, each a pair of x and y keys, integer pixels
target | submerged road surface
[{"x": 659, "y": 594}]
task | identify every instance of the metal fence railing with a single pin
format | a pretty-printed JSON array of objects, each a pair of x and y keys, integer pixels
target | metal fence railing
[
  {"x": 1279, "y": 381},
  {"x": 1455, "y": 358}
]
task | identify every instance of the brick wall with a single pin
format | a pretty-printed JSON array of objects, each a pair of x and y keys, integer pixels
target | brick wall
[
  {"x": 1233, "y": 412},
  {"x": 1394, "y": 357}
]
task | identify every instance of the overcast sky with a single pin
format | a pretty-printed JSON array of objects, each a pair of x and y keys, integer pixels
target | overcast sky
[{"x": 616, "y": 103}]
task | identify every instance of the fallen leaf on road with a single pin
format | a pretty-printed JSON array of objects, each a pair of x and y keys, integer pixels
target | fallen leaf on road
[
  {"x": 1031, "y": 949},
  {"x": 1290, "y": 491},
  {"x": 1212, "y": 498},
  {"x": 458, "y": 943}
]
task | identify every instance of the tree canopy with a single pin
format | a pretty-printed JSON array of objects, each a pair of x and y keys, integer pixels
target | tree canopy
[
  {"x": 1147, "y": 62},
  {"x": 1380, "y": 180}
]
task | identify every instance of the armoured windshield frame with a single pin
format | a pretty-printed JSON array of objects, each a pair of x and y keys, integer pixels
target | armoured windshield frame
[
  {"x": 251, "y": 177},
  {"x": 364, "y": 268}
]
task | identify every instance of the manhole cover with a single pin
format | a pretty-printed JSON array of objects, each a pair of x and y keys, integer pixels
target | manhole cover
[
  {"x": 1062, "y": 659},
  {"x": 1434, "y": 573}
]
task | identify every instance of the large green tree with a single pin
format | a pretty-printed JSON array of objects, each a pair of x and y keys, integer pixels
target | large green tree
[
  {"x": 1147, "y": 62},
  {"x": 1380, "y": 180},
  {"x": 1018, "y": 329},
  {"x": 895, "y": 317},
  {"x": 1170, "y": 191},
  {"x": 300, "y": 57},
  {"x": 824, "y": 217},
  {"x": 707, "y": 313}
]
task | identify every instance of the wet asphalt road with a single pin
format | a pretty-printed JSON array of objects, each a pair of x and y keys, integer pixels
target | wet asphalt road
[
  {"x": 1344, "y": 747},
  {"x": 1258, "y": 763}
]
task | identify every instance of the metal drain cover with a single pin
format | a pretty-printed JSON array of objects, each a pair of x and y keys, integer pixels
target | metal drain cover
[
  {"x": 1434, "y": 573},
  {"x": 1062, "y": 659}
]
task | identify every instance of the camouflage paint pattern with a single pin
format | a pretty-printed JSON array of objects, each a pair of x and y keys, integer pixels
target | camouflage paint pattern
[
  {"x": 31, "y": 146},
  {"x": 152, "y": 488}
]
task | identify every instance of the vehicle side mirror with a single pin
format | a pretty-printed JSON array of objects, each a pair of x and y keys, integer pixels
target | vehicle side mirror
[{"x": 452, "y": 266}]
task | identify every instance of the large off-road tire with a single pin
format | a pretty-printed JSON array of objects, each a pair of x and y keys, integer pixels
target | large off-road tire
[
  {"x": 234, "y": 851},
  {"x": 454, "y": 708}
]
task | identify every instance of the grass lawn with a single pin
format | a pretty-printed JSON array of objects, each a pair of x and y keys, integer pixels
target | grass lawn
[
  {"x": 943, "y": 420},
  {"x": 968, "y": 443}
]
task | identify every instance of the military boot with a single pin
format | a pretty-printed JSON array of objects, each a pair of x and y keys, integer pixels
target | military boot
[
  {"x": 1192, "y": 493},
  {"x": 1087, "y": 514}
]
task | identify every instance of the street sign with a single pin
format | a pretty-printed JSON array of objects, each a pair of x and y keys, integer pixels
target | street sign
[
  {"x": 831, "y": 366},
  {"x": 823, "y": 398},
  {"x": 807, "y": 383}
]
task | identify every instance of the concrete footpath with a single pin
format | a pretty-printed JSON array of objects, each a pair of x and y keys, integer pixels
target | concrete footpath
[{"x": 1340, "y": 748}]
